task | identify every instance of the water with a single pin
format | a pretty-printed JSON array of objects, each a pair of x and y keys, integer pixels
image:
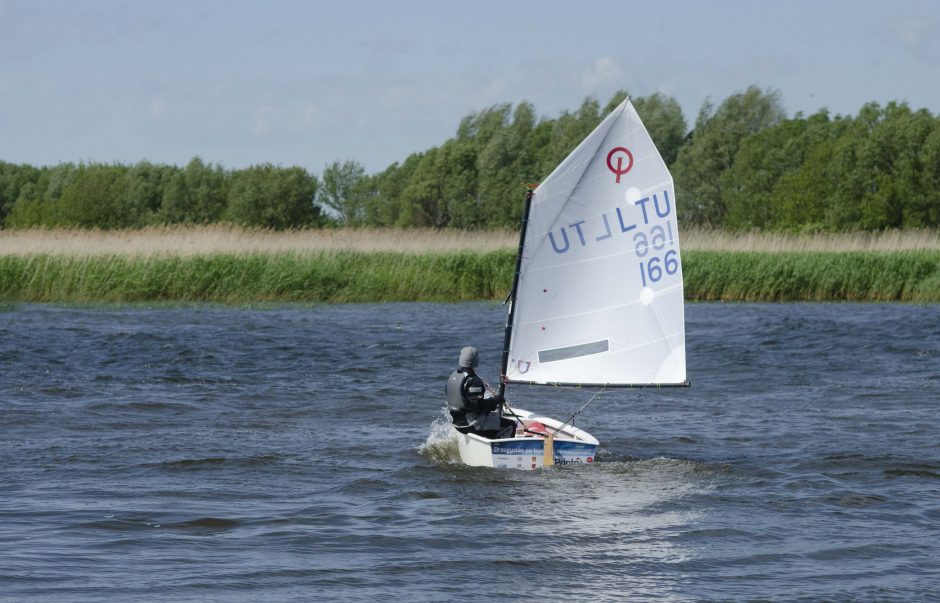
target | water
[{"x": 294, "y": 454}]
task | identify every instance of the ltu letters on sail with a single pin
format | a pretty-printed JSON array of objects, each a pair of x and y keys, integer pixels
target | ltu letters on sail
[{"x": 598, "y": 230}]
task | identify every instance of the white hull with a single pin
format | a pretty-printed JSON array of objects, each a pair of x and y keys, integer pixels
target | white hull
[{"x": 571, "y": 446}]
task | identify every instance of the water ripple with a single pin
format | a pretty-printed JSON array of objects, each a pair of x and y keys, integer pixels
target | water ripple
[{"x": 293, "y": 453}]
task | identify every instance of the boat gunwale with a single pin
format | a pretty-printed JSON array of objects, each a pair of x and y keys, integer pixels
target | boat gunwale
[{"x": 578, "y": 435}]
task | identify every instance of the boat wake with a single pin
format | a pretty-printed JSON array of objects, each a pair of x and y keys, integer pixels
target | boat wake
[{"x": 441, "y": 445}]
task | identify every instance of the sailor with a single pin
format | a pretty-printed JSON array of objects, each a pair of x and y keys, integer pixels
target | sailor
[{"x": 469, "y": 407}]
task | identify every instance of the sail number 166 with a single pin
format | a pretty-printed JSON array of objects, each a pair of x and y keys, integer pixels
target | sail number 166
[{"x": 654, "y": 267}]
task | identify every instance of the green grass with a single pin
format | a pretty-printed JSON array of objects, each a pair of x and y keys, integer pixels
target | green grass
[
  {"x": 348, "y": 276},
  {"x": 259, "y": 277},
  {"x": 812, "y": 276}
]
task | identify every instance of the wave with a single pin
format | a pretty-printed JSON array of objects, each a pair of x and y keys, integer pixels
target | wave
[
  {"x": 199, "y": 463},
  {"x": 441, "y": 444},
  {"x": 132, "y": 524}
]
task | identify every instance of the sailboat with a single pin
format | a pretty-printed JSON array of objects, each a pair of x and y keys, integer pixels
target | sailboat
[{"x": 597, "y": 297}]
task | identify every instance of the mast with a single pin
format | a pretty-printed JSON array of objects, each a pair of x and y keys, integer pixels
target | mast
[{"x": 512, "y": 292}]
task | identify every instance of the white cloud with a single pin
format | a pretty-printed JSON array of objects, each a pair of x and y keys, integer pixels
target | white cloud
[
  {"x": 158, "y": 107},
  {"x": 911, "y": 31},
  {"x": 605, "y": 70},
  {"x": 919, "y": 35}
]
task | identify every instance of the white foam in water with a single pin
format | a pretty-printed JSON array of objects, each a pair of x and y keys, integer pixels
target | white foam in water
[{"x": 441, "y": 444}]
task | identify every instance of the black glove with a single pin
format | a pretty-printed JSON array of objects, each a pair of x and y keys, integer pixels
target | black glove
[{"x": 491, "y": 404}]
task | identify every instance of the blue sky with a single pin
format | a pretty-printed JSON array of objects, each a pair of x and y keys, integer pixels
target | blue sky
[{"x": 306, "y": 83}]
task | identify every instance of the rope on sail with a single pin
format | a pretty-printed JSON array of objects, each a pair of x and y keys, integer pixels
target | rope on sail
[
  {"x": 512, "y": 413},
  {"x": 578, "y": 412}
]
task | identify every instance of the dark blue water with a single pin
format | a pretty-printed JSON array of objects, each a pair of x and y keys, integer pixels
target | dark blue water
[{"x": 293, "y": 454}]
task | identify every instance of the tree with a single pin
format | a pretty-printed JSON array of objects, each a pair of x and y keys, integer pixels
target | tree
[
  {"x": 342, "y": 190},
  {"x": 665, "y": 123},
  {"x": 38, "y": 202},
  {"x": 927, "y": 208},
  {"x": 267, "y": 196},
  {"x": 195, "y": 195},
  {"x": 891, "y": 159},
  {"x": 568, "y": 130},
  {"x": 710, "y": 152},
  {"x": 743, "y": 166},
  {"x": 95, "y": 199},
  {"x": 144, "y": 193},
  {"x": 175, "y": 203},
  {"x": 382, "y": 193},
  {"x": 13, "y": 178},
  {"x": 422, "y": 198},
  {"x": 507, "y": 162},
  {"x": 780, "y": 176}
]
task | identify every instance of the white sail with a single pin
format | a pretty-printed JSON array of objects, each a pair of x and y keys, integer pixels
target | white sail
[{"x": 599, "y": 299}]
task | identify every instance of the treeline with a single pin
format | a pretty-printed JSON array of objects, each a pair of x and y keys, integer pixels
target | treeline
[
  {"x": 743, "y": 165},
  {"x": 146, "y": 194},
  {"x": 746, "y": 166}
]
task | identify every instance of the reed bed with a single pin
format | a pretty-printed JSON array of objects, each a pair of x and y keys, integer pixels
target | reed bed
[
  {"x": 911, "y": 276},
  {"x": 334, "y": 277},
  {"x": 702, "y": 239},
  {"x": 354, "y": 276},
  {"x": 228, "y": 264},
  {"x": 189, "y": 241}
]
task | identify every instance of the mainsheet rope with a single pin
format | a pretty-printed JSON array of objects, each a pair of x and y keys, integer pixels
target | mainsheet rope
[{"x": 492, "y": 390}]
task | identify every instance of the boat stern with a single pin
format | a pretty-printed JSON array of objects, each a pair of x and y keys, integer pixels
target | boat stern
[{"x": 525, "y": 453}]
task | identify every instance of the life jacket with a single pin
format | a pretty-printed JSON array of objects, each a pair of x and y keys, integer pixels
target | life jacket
[{"x": 464, "y": 391}]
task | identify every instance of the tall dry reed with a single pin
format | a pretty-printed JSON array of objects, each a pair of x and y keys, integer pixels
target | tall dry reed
[
  {"x": 701, "y": 239},
  {"x": 204, "y": 240}
]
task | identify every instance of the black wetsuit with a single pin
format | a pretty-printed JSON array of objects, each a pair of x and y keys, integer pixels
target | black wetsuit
[{"x": 470, "y": 410}]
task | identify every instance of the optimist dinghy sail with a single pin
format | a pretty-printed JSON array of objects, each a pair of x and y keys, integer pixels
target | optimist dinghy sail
[
  {"x": 597, "y": 296},
  {"x": 598, "y": 299}
]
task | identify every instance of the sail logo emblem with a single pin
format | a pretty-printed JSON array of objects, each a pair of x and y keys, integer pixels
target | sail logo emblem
[{"x": 620, "y": 153}]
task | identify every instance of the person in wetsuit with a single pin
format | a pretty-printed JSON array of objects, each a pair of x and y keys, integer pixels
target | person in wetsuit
[{"x": 469, "y": 407}]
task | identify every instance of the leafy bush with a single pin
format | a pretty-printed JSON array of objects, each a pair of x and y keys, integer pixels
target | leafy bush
[{"x": 273, "y": 197}]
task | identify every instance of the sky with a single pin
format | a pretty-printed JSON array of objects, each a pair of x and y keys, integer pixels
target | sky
[{"x": 307, "y": 82}]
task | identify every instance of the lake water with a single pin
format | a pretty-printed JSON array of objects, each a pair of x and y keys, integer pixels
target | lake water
[{"x": 300, "y": 453}]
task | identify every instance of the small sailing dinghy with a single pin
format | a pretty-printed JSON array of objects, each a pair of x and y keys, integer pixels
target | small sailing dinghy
[{"x": 597, "y": 299}]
